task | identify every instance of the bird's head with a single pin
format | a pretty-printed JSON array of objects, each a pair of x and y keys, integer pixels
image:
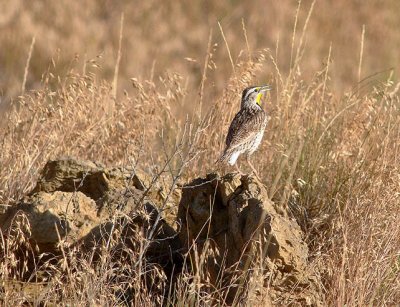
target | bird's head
[{"x": 253, "y": 94}]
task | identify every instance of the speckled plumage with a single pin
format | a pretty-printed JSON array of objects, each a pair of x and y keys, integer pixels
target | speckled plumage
[{"x": 247, "y": 128}]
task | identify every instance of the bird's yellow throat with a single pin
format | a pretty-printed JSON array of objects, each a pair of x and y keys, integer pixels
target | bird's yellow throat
[{"x": 258, "y": 99}]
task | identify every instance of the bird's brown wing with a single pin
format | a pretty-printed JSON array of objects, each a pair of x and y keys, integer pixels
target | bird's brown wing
[{"x": 245, "y": 126}]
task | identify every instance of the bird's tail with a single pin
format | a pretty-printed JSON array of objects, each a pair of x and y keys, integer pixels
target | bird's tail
[
  {"x": 222, "y": 159},
  {"x": 228, "y": 156}
]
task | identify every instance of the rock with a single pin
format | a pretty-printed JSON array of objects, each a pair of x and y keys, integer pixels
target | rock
[
  {"x": 94, "y": 180},
  {"x": 54, "y": 216},
  {"x": 80, "y": 209},
  {"x": 72, "y": 198},
  {"x": 129, "y": 232},
  {"x": 220, "y": 218},
  {"x": 106, "y": 186},
  {"x": 227, "y": 225}
]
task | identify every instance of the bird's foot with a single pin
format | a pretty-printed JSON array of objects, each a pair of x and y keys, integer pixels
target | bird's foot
[
  {"x": 254, "y": 171},
  {"x": 239, "y": 172}
]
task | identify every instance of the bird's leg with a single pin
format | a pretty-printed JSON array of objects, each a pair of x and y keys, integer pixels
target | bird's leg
[
  {"x": 238, "y": 169},
  {"x": 252, "y": 168}
]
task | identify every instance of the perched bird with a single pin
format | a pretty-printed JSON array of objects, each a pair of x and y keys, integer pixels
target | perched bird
[{"x": 247, "y": 127}]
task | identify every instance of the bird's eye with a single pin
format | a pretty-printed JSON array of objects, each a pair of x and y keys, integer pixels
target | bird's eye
[{"x": 256, "y": 90}]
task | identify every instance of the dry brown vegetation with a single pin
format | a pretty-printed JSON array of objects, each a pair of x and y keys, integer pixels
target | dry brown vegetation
[{"x": 331, "y": 150}]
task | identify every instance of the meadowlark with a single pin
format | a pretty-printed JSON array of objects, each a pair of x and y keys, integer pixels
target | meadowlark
[{"x": 247, "y": 127}]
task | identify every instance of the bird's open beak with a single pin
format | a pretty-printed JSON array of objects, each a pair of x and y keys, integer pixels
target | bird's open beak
[
  {"x": 262, "y": 90},
  {"x": 265, "y": 88}
]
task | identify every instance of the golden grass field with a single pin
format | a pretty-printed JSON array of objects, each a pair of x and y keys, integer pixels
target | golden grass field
[{"x": 124, "y": 82}]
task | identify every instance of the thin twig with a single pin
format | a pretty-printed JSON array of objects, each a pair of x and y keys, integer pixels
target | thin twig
[
  {"x": 229, "y": 51},
  {"x": 204, "y": 76},
  {"x": 27, "y": 65},
  {"x": 116, "y": 68},
  {"x": 361, "y": 53}
]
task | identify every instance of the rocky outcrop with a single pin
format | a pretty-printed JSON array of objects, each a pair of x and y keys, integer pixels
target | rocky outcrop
[
  {"x": 227, "y": 226},
  {"x": 231, "y": 223},
  {"x": 53, "y": 217},
  {"x": 73, "y": 199},
  {"x": 106, "y": 186}
]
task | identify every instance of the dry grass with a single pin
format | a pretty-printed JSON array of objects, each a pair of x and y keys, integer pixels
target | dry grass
[{"x": 333, "y": 158}]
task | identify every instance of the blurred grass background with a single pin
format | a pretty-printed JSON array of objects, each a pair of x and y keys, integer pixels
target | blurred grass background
[{"x": 159, "y": 35}]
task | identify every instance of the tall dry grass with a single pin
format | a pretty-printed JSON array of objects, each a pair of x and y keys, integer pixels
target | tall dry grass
[{"x": 332, "y": 158}]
